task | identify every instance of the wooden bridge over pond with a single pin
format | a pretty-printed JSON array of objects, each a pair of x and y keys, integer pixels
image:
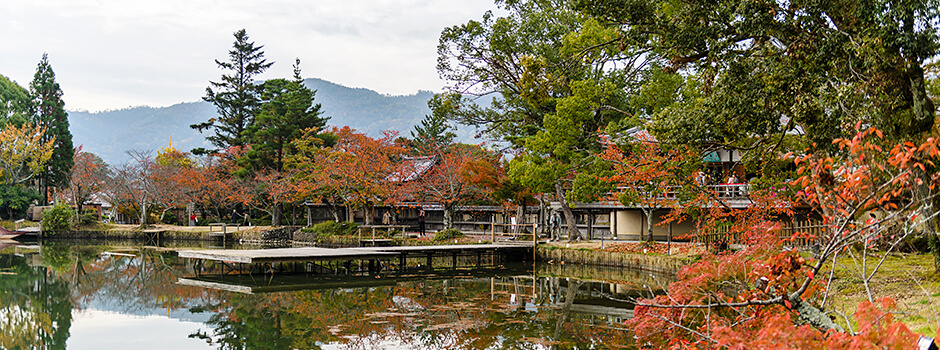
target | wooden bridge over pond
[{"x": 341, "y": 260}]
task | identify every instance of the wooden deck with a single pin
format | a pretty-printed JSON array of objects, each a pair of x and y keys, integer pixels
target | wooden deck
[
  {"x": 249, "y": 256},
  {"x": 364, "y": 253}
]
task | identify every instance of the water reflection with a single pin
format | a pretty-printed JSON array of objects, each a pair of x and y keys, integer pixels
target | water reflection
[
  {"x": 133, "y": 294},
  {"x": 35, "y": 305}
]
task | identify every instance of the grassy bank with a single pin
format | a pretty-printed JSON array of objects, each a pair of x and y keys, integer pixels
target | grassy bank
[{"x": 909, "y": 279}]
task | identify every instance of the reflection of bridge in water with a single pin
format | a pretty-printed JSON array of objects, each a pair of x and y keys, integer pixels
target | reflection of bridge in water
[{"x": 582, "y": 295}]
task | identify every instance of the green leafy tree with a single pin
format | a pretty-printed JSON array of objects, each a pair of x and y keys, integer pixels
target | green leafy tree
[
  {"x": 237, "y": 97},
  {"x": 816, "y": 66},
  {"x": 14, "y": 200},
  {"x": 765, "y": 78},
  {"x": 14, "y": 102},
  {"x": 547, "y": 64},
  {"x": 287, "y": 110},
  {"x": 50, "y": 114}
]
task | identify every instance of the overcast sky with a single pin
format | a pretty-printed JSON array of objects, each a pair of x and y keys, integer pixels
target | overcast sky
[{"x": 112, "y": 54}]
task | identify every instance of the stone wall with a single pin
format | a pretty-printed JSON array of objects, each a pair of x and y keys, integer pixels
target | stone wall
[{"x": 655, "y": 263}]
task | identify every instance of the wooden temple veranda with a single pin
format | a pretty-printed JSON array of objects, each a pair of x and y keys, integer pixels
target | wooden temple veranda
[{"x": 359, "y": 260}]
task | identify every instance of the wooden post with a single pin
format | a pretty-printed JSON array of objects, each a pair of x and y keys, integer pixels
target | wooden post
[
  {"x": 613, "y": 225},
  {"x": 669, "y": 241},
  {"x": 493, "y": 229},
  {"x": 492, "y": 288},
  {"x": 535, "y": 242},
  {"x": 590, "y": 228}
]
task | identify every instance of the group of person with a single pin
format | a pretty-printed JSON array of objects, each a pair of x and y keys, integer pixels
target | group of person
[
  {"x": 391, "y": 219},
  {"x": 704, "y": 180}
]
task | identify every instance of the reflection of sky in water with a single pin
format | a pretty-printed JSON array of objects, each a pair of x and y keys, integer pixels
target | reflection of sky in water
[
  {"x": 124, "y": 305},
  {"x": 97, "y": 329}
]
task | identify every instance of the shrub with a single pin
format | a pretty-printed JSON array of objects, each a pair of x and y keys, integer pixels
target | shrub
[
  {"x": 170, "y": 218},
  {"x": 447, "y": 234},
  {"x": 331, "y": 228},
  {"x": 56, "y": 219},
  {"x": 87, "y": 218}
]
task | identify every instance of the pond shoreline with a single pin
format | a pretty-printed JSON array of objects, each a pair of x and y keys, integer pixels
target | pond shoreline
[
  {"x": 663, "y": 264},
  {"x": 552, "y": 252}
]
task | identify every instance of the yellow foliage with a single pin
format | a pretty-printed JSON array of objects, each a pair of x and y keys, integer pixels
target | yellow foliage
[
  {"x": 23, "y": 152},
  {"x": 170, "y": 156}
]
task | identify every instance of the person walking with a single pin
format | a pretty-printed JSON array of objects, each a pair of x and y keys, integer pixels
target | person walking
[{"x": 553, "y": 226}]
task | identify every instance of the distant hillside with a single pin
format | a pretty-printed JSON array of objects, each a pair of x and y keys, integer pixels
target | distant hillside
[
  {"x": 109, "y": 134},
  {"x": 369, "y": 111}
]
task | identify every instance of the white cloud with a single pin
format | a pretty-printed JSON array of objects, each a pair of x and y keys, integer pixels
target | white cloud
[{"x": 111, "y": 54}]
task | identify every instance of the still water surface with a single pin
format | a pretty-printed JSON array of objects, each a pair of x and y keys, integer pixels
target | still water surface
[{"x": 60, "y": 295}]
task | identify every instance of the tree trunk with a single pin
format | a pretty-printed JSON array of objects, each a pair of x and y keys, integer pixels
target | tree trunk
[
  {"x": 448, "y": 217},
  {"x": 143, "y": 214},
  {"x": 163, "y": 214},
  {"x": 520, "y": 218},
  {"x": 335, "y": 211},
  {"x": 812, "y": 315},
  {"x": 276, "y": 215},
  {"x": 569, "y": 215},
  {"x": 649, "y": 225}
]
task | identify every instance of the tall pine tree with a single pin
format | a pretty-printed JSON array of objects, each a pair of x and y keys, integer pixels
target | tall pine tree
[
  {"x": 237, "y": 97},
  {"x": 49, "y": 112},
  {"x": 434, "y": 132},
  {"x": 287, "y": 110}
]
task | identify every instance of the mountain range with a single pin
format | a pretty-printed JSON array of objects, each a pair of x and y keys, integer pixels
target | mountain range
[{"x": 110, "y": 134}]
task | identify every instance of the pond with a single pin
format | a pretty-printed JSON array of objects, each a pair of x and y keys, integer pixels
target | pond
[{"x": 57, "y": 295}]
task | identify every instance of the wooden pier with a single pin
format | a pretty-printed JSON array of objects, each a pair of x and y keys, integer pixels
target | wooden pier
[{"x": 238, "y": 261}]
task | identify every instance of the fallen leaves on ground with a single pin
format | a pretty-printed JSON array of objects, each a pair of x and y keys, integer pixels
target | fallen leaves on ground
[{"x": 651, "y": 248}]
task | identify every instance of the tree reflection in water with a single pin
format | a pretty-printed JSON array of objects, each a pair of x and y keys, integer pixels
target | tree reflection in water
[
  {"x": 474, "y": 313},
  {"x": 35, "y": 306},
  {"x": 39, "y": 293}
]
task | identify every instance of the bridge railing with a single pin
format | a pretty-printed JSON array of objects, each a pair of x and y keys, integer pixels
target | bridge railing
[
  {"x": 516, "y": 232},
  {"x": 722, "y": 191}
]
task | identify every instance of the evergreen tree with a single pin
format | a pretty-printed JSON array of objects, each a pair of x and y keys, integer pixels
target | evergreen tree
[
  {"x": 237, "y": 97},
  {"x": 50, "y": 113},
  {"x": 434, "y": 132},
  {"x": 287, "y": 109}
]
